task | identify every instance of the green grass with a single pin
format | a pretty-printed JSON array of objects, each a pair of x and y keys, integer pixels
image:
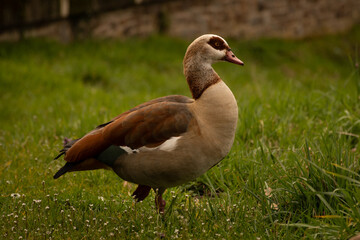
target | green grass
[{"x": 293, "y": 172}]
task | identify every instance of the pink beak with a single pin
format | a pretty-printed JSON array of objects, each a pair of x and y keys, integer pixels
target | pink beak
[{"x": 230, "y": 57}]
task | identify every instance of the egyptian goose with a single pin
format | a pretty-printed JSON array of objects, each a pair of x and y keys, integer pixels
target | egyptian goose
[{"x": 169, "y": 140}]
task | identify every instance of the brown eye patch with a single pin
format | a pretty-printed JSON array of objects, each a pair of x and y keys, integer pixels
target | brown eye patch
[{"x": 217, "y": 43}]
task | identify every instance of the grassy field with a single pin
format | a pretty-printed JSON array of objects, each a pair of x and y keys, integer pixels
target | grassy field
[{"x": 293, "y": 172}]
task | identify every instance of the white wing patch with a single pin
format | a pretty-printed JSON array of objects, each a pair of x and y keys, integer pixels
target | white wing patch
[
  {"x": 129, "y": 150},
  {"x": 169, "y": 145}
]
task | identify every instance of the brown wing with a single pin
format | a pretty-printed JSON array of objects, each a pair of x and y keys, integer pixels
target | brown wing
[
  {"x": 149, "y": 125},
  {"x": 171, "y": 98},
  {"x": 146, "y": 124}
]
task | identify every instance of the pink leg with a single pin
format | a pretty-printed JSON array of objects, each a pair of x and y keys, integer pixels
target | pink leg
[{"x": 159, "y": 201}]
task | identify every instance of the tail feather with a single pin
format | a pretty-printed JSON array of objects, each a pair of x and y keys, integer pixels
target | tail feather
[
  {"x": 67, "y": 167},
  {"x": 60, "y": 154},
  {"x": 66, "y": 146},
  {"x": 103, "y": 160}
]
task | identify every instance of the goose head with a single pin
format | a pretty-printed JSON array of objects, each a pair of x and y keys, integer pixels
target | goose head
[
  {"x": 200, "y": 55},
  {"x": 208, "y": 49}
]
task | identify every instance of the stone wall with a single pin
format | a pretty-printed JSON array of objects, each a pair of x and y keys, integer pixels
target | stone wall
[{"x": 190, "y": 18}]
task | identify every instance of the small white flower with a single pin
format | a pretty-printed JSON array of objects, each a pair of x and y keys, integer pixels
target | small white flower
[
  {"x": 15, "y": 195},
  {"x": 176, "y": 230},
  {"x": 37, "y": 201},
  {"x": 101, "y": 198}
]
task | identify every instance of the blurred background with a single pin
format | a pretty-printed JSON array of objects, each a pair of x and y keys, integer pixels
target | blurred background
[{"x": 66, "y": 20}]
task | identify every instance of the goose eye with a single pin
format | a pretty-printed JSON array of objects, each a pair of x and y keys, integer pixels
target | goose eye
[{"x": 217, "y": 43}]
